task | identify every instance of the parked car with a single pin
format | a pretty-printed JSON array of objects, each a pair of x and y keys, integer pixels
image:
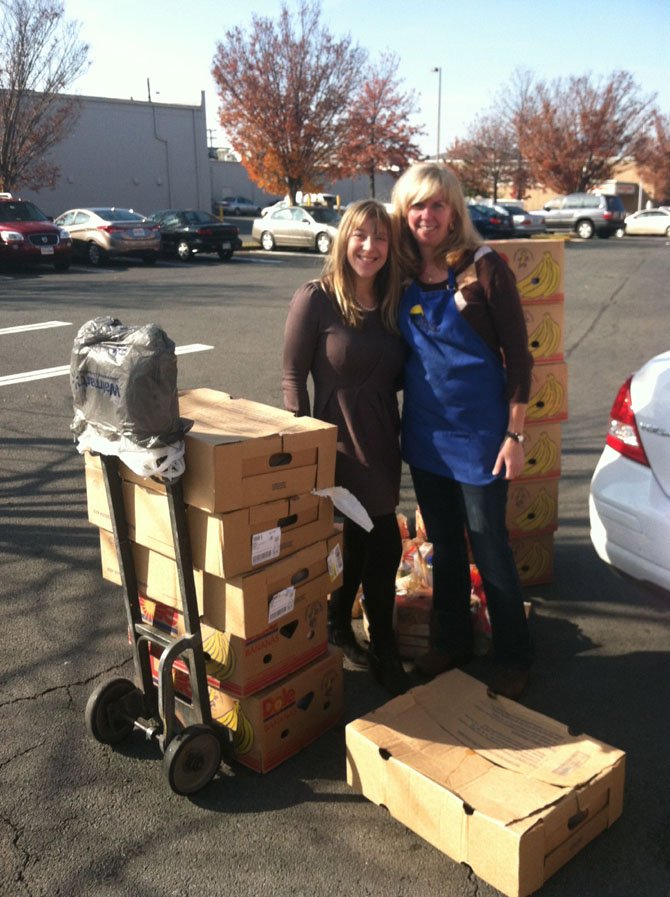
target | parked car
[
  {"x": 585, "y": 214},
  {"x": 525, "y": 224},
  {"x": 492, "y": 223},
  {"x": 311, "y": 228},
  {"x": 28, "y": 236},
  {"x": 629, "y": 501},
  {"x": 652, "y": 222},
  {"x": 238, "y": 205},
  {"x": 101, "y": 233},
  {"x": 189, "y": 232}
]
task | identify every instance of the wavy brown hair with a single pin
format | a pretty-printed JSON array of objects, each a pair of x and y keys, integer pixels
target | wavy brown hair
[
  {"x": 338, "y": 278},
  {"x": 417, "y": 184}
]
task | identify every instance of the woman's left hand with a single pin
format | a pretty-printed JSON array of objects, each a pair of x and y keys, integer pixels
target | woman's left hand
[{"x": 511, "y": 458}]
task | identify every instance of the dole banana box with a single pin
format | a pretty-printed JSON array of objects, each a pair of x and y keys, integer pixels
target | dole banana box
[
  {"x": 277, "y": 722},
  {"x": 545, "y": 325},
  {"x": 538, "y": 266},
  {"x": 534, "y": 558},
  {"x": 245, "y": 605},
  {"x": 240, "y": 666},
  {"x": 492, "y": 784},
  {"x": 241, "y": 453},
  {"x": 532, "y": 507},
  {"x": 221, "y": 544},
  {"x": 548, "y": 393},
  {"x": 542, "y": 450}
]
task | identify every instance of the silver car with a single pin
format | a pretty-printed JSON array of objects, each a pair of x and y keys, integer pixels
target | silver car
[
  {"x": 103, "y": 232},
  {"x": 312, "y": 228}
]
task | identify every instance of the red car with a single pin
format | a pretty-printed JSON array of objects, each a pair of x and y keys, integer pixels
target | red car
[{"x": 28, "y": 236}]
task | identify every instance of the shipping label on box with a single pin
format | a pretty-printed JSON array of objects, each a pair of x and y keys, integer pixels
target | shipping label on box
[
  {"x": 542, "y": 450},
  {"x": 277, "y": 722},
  {"x": 244, "y": 605},
  {"x": 544, "y": 323},
  {"x": 534, "y": 558},
  {"x": 548, "y": 392},
  {"x": 222, "y": 544},
  {"x": 538, "y": 265},
  {"x": 241, "y": 453},
  {"x": 532, "y": 507},
  {"x": 492, "y": 784},
  {"x": 244, "y": 666}
]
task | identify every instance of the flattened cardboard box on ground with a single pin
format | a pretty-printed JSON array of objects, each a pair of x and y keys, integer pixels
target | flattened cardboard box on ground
[
  {"x": 241, "y": 667},
  {"x": 241, "y": 453},
  {"x": 224, "y": 545},
  {"x": 492, "y": 784},
  {"x": 277, "y": 722},
  {"x": 245, "y": 605}
]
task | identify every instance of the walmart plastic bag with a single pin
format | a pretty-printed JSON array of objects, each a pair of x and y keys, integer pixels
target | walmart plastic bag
[{"x": 124, "y": 390}]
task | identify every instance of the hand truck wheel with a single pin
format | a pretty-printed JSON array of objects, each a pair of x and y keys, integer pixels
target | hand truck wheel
[
  {"x": 107, "y": 715},
  {"x": 192, "y": 759}
]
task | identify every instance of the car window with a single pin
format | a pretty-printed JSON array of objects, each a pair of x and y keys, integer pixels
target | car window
[
  {"x": 283, "y": 215},
  {"x": 20, "y": 211},
  {"x": 170, "y": 220},
  {"x": 614, "y": 203},
  {"x": 81, "y": 218},
  {"x": 325, "y": 216},
  {"x": 67, "y": 218}
]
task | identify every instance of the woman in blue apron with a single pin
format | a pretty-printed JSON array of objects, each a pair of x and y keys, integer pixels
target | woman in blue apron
[{"x": 467, "y": 383}]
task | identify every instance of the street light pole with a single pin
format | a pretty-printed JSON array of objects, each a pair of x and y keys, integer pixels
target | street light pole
[{"x": 438, "y": 69}]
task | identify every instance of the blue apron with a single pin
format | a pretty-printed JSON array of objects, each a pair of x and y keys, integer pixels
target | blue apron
[{"x": 455, "y": 411}]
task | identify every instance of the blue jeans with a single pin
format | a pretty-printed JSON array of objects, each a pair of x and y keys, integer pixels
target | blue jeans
[{"x": 449, "y": 509}]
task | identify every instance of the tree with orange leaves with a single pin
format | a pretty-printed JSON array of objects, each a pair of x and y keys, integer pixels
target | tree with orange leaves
[
  {"x": 653, "y": 157},
  {"x": 285, "y": 90},
  {"x": 380, "y": 136}
]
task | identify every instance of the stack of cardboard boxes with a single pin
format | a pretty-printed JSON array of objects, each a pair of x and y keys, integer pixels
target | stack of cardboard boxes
[
  {"x": 266, "y": 555},
  {"x": 532, "y": 507}
]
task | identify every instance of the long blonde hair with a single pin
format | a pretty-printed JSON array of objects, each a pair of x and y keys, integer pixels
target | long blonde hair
[
  {"x": 338, "y": 278},
  {"x": 418, "y": 183}
]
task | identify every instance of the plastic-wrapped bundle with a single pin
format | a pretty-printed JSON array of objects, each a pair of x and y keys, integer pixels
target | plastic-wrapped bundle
[{"x": 124, "y": 390}]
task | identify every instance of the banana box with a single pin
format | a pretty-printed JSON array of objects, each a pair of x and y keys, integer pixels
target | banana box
[
  {"x": 241, "y": 453},
  {"x": 548, "y": 392},
  {"x": 544, "y": 323},
  {"x": 221, "y": 544},
  {"x": 532, "y": 507},
  {"x": 538, "y": 265},
  {"x": 534, "y": 558},
  {"x": 241, "y": 666},
  {"x": 542, "y": 450},
  {"x": 492, "y": 784},
  {"x": 246, "y": 605},
  {"x": 277, "y": 722}
]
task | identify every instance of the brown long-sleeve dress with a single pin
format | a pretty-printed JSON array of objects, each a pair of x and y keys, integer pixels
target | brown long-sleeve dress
[{"x": 356, "y": 372}]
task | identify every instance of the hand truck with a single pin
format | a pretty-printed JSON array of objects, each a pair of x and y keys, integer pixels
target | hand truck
[{"x": 192, "y": 750}]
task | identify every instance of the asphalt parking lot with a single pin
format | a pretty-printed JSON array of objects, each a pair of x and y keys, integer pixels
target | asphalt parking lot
[{"x": 78, "y": 819}]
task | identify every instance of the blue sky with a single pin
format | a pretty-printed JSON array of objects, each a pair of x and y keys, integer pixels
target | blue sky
[{"x": 477, "y": 45}]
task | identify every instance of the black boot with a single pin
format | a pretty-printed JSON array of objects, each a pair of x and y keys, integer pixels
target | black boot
[
  {"x": 386, "y": 667},
  {"x": 343, "y": 637}
]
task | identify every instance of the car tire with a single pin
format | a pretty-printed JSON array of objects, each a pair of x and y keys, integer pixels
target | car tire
[
  {"x": 585, "y": 229},
  {"x": 95, "y": 255},
  {"x": 667, "y": 233},
  {"x": 224, "y": 254},
  {"x": 323, "y": 243},
  {"x": 267, "y": 241},
  {"x": 183, "y": 250},
  {"x": 620, "y": 232}
]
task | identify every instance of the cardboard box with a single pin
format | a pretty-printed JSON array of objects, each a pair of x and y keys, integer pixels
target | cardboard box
[
  {"x": 532, "y": 507},
  {"x": 245, "y": 605},
  {"x": 542, "y": 450},
  {"x": 534, "y": 558},
  {"x": 277, "y": 722},
  {"x": 221, "y": 544},
  {"x": 538, "y": 265},
  {"x": 492, "y": 784},
  {"x": 241, "y": 666},
  {"x": 545, "y": 326},
  {"x": 241, "y": 453},
  {"x": 548, "y": 393}
]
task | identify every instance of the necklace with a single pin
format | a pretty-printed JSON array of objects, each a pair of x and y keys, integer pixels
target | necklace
[
  {"x": 366, "y": 304},
  {"x": 430, "y": 275}
]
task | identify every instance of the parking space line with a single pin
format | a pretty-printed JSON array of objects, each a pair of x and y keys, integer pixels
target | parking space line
[
  {"x": 23, "y": 328},
  {"x": 64, "y": 369}
]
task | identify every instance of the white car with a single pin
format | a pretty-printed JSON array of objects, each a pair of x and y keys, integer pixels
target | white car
[
  {"x": 310, "y": 228},
  {"x": 652, "y": 222},
  {"x": 629, "y": 501}
]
